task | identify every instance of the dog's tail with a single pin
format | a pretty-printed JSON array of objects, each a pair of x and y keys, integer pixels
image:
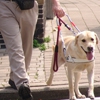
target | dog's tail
[{"x": 53, "y": 48}]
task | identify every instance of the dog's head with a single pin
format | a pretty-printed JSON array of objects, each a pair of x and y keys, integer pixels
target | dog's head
[{"x": 86, "y": 41}]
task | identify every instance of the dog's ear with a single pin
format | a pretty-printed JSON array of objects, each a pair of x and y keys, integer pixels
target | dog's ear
[
  {"x": 97, "y": 38},
  {"x": 76, "y": 39}
]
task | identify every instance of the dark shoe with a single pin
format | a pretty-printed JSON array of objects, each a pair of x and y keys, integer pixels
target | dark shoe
[
  {"x": 12, "y": 84},
  {"x": 25, "y": 92}
]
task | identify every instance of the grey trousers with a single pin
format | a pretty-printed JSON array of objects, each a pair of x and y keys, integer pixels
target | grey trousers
[{"x": 17, "y": 28}]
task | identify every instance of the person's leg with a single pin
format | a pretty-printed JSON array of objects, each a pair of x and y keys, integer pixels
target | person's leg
[
  {"x": 28, "y": 24},
  {"x": 10, "y": 30}
]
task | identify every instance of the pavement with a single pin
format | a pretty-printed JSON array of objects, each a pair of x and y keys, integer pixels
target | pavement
[{"x": 86, "y": 15}]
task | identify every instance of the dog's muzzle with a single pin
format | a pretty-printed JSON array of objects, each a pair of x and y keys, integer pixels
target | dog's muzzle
[{"x": 89, "y": 53}]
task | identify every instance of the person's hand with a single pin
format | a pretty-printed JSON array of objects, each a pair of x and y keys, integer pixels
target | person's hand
[{"x": 58, "y": 9}]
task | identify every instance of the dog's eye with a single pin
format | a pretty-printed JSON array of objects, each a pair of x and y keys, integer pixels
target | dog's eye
[
  {"x": 92, "y": 39},
  {"x": 83, "y": 40}
]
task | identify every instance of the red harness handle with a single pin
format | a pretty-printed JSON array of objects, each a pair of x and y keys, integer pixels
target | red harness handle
[{"x": 55, "y": 64}]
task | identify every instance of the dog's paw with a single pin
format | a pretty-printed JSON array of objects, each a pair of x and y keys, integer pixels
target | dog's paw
[
  {"x": 48, "y": 83},
  {"x": 73, "y": 98},
  {"x": 81, "y": 96},
  {"x": 91, "y": 97}
]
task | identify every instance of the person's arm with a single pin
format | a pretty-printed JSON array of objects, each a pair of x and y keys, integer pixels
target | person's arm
[{"x": 57, "y": 8}]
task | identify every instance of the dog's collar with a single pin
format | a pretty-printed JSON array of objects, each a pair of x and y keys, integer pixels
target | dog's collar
[{"x": 74, "y": 60}]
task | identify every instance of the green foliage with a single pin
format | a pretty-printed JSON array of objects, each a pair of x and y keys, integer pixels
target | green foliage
[
  {"x": 36, "y": 43},
  {"x": 47, "y": 39},
  {"x": 42, "y": 46}
]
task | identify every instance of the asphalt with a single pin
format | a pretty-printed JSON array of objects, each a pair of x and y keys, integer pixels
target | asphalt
[{"x": 86, "y": 15}]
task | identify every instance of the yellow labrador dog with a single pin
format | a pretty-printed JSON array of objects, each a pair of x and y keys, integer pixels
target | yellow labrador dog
[{"x": 80, "y": 51}]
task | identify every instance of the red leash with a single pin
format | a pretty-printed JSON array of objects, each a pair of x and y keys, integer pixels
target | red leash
[{"x": 55, "y": 64}]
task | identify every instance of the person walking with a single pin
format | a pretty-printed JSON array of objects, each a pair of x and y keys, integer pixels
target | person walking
[{"x": 17, "y": 26}]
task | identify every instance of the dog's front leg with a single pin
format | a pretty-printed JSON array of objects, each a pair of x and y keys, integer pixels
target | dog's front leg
[
  {"x": 90, "y": 71},
  {"x": 76, "y": 85},
  {"x": 71, "y": 85}
]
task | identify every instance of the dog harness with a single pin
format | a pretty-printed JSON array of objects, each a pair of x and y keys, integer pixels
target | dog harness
[{"x": 74, "y": 60}]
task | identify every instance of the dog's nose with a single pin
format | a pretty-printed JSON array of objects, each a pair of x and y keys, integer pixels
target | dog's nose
[{"x": 90, "y": 48}]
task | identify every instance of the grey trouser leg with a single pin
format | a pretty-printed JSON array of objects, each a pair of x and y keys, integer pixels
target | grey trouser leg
[{"x": 17, "y": 28}]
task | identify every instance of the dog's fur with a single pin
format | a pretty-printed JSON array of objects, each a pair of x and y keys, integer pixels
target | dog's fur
[{"x": 81, "y": 46}]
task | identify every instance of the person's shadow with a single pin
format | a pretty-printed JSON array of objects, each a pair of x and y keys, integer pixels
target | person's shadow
[{"x": 96, "y": 30}]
